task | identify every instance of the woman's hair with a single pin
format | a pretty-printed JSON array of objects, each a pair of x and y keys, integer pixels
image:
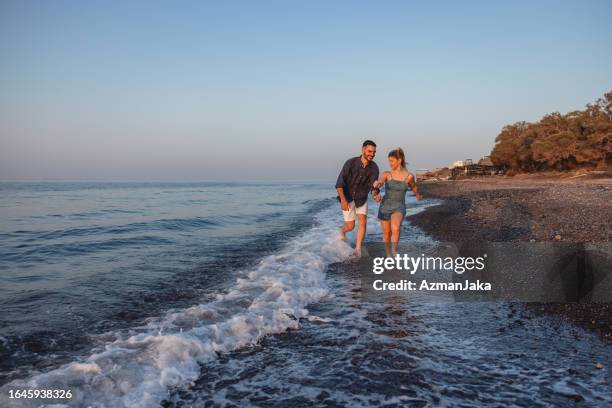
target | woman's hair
[{"x": 399, "y": 155}]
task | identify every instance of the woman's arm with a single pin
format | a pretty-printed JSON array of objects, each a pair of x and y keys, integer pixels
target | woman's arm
[
  {"x": 412, "y": 183},
  {"x": 381, "y": 181}
]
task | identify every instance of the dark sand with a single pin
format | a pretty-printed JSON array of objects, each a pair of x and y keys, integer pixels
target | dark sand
[{"x": 526, "y": 209}]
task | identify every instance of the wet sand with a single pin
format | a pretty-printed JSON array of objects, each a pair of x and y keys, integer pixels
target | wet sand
[{"x": 526, "y": 209}]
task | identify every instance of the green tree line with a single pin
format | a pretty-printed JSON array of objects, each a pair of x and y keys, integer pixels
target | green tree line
[{"x": 578, "y": 139}]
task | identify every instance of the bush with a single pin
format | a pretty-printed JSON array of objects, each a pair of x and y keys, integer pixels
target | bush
[{"x": 579, "y": 139}]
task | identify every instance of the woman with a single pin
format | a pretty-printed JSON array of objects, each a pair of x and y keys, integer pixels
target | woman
[{"x": 392, "y": 209}]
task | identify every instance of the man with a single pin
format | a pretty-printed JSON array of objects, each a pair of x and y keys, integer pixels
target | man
[{"x": 355, "y": 181}]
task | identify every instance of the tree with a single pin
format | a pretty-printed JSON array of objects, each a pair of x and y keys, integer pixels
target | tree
[{"x": 578, "y": 139}]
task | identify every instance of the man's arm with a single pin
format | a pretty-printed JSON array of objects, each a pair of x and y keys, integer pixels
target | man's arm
[
  {"x": 374, "y": 184},
  {"x": 343, "y": 202},
  {"x": 340, "y": 183}
]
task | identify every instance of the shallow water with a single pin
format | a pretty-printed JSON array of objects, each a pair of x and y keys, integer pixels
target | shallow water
[
  {"x": 414, "y": 352},
  {"x": 409, "y": 349},
  {"x": 80, "y": 259},
  {"x": 254, "y": 305}
]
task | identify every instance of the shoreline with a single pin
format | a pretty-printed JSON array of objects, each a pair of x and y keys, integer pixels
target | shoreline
[{"x": 502, "y": 209}]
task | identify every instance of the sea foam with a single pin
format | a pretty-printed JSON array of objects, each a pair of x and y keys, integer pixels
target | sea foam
[{"x": 138, "y": 369}]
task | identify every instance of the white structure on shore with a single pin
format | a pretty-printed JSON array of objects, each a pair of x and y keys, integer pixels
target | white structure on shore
[{"x": 457, "y": 163}]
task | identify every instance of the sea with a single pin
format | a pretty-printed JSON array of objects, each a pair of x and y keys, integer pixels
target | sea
[{"x": 235, "y": 294}]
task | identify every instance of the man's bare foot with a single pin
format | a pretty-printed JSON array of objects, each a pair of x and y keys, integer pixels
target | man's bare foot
[
  {"x": 358, "y": 252},
  {"x": 342, "y": 236}
]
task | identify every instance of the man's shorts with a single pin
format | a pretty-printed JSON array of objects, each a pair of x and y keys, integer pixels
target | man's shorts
[{"x": 352, "y": 211}]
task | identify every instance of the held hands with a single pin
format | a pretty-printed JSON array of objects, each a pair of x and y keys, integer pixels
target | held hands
[
  {"x": 377, "y": 198},
  {"x": 377, "y": 184}
]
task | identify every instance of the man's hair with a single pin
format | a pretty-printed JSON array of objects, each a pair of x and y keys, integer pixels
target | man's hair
[{"x": 368, "y": 143}]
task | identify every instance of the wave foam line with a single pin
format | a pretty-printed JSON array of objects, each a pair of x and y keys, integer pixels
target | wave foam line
[{"x": 139, "y": 369}]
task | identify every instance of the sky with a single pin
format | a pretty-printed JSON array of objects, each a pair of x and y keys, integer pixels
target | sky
[{"x": 281, "y": 90}]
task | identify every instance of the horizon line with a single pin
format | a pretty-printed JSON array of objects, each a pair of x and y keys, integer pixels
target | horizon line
[{"x": 59, "y": 180}]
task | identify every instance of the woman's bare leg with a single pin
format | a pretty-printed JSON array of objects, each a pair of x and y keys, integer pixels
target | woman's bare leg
[
  {"x": 386, "y": 233},
  {"x": 396, "y": 226}
]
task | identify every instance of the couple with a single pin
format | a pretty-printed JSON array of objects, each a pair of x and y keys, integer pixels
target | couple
[{"x": 360, "y": 176}]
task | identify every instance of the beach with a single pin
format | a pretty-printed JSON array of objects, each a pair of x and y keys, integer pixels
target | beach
[
  {"x": 305, "y": 204},
  {"x": 160, "y": 294},
  {"x": 526, "y": 208}
]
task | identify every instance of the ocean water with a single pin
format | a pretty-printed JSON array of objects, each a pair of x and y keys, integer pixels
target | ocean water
[{"x": 229, "y": 294}]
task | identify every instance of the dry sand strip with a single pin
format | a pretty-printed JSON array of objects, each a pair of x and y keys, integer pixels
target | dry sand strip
[{"x": 526, "y": 209}]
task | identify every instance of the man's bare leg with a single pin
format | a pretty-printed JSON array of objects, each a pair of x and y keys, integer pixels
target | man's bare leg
[
  {"x": 362, "y": 219},
  {"x": 347, "y": 227}
]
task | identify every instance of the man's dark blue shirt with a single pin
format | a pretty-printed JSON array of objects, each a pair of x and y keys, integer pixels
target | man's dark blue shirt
[{"x": 357, "y": 180}]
